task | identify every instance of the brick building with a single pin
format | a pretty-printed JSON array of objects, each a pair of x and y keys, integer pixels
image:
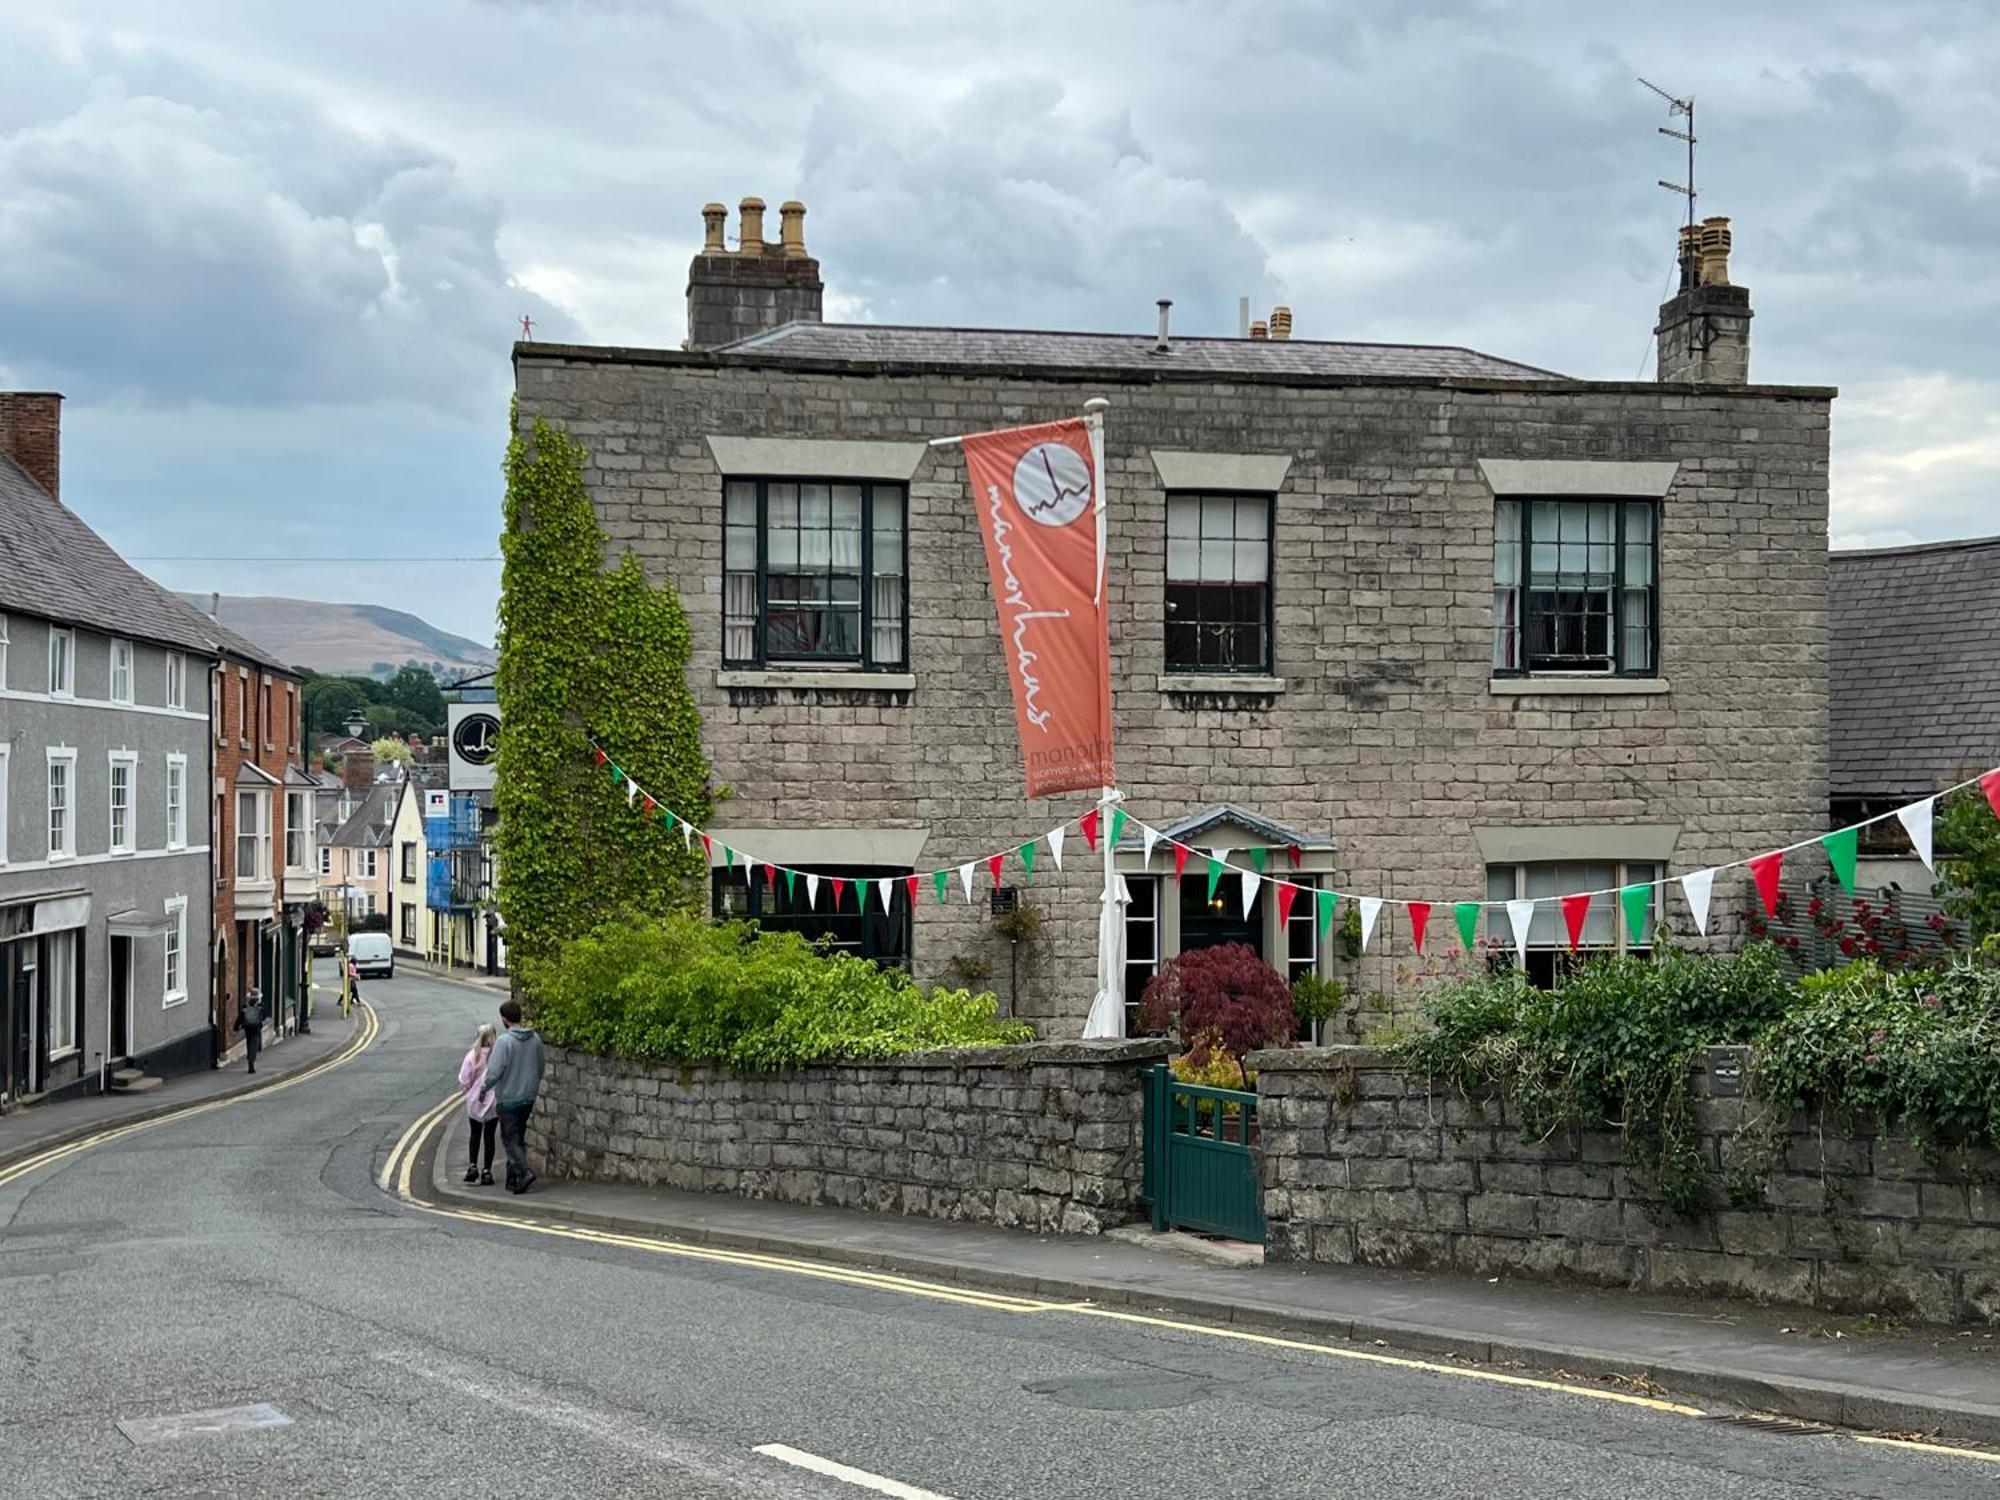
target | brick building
[
  {"x": 262, "y": 816},
  {"x": 1446, "y": 625}
]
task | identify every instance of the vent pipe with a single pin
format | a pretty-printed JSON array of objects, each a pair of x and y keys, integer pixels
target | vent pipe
[{"x": 1163, "y": 342}]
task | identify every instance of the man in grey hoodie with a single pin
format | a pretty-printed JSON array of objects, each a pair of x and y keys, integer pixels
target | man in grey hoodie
[{"x": 514, "y": 1077}]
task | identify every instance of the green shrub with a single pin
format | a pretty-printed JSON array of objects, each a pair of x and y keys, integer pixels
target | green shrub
[
  {"x": 682, "y": 989},
  {"x": 1610, "y": 1049},
  {"x": 1917, "y": 1053}
]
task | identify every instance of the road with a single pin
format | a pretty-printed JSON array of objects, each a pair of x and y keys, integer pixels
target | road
[{"x": 247, "y": 1255}]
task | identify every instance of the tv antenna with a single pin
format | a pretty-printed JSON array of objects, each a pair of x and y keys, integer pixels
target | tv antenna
[{"x": 1677, "y": 106}]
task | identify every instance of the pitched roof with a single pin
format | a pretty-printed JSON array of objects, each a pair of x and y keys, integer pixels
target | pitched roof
[
  {"x": 1036, "y": 349},
  {"x": 371, "y": 825},
  {"x": 54, "y": 566},
  {"x": 1915, "y": 675},
  {"x": 1195, "y": 824}
]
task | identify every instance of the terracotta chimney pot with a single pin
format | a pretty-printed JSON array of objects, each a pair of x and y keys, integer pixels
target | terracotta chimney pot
[
  {"x": 792, "y": 228},
  {"x": 753, "y": 227},
  {"x": 713, "y": 217}
]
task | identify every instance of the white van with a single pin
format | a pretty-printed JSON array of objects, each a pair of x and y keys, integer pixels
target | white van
[{"x": 372, "y": 954}]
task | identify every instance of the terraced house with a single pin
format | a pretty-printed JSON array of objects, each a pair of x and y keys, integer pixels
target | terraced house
[
  {"x": 1419, "y": 622},
  {"x": 105, "y": 891}
]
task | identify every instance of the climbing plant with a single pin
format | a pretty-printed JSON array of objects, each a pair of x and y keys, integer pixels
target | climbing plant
[{"x": 586, "y": 652}]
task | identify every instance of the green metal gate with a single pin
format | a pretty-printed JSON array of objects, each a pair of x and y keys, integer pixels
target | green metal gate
[{"x": 1201, "y": 1160}]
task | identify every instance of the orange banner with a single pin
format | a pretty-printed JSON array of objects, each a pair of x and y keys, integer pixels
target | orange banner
[{"x": 1036, "y": 493}]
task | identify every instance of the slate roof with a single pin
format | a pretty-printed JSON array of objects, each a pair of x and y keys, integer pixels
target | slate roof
[
  {"x": 373, "y": 821},
  {"x": 1032, "y": 349},
  {"x": 54, "y": 566},
  {"x": 1914, "y": 665},
  {"x": 1191, "y": 828}
]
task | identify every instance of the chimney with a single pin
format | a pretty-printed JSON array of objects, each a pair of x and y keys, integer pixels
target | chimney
[
  {"x": 1281, "y": 322},
  {"x": 1163, "y": 343},
  {"x": 214, "y": 605},
  {"x": 31, "y": 435},
  {"x": 1704, "y": 332},
  {"x": 734, "y": 294},
  {"x": 357, "y": 768},
  {"x": 1260, "y": 329}
]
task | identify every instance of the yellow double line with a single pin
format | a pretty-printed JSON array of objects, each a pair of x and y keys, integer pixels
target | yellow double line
[
  {"x": 371, "y": 1024},
  {"x": 398, "y": 1172}
]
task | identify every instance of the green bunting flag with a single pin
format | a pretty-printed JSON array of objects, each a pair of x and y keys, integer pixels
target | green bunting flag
[
  {"x": 616, "y": 776},
  {"x": 1326, "y": 901},
  {"x": 941, "y": 877},
  {"x": 728, "y": 858},
  {"x": 1214, "y": 875},
  {"x": 1117, "y": 825},
  {"x": 1636, "y": 899},
  {"x": 1467, "y": 913},
  {"x": 1841, "y": 847},
  {"x": 1027, "y": 853},
  {"x": 790, "y": 876},
  {"x": 1257, "y": 857}
]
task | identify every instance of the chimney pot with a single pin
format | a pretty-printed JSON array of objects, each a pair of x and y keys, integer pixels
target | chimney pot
[
  {"x": 1690, "y": 256},
  {"x": 1260, "y": 329},
  {"x": 1163, "y": 342},
  {"x": 792, "y": 228},
  {"x": 751, "y": 241},
  {"x": 713, "y": 217},
  {"x": 1715, "y": 241},
  {"x": 1281, "y": 322},
  {"x": 214, "y": 605}
]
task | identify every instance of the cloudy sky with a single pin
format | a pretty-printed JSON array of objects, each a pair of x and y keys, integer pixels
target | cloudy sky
[{"x": 275, "y": 254}]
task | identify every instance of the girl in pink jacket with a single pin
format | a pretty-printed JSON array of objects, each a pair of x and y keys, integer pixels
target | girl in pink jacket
[{"x": 482, "y": 1111}]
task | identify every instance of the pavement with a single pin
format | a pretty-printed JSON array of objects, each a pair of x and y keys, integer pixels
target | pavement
[
  {"x": 228, "y": 1302},
  {"x": 1814, "y": 1367}
]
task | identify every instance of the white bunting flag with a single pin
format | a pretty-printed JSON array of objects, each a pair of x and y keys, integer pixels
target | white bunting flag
[
  {"x": 1696, "y": 884},
  {"x": 1055, "y": 845},
  {"x": 965, "y": 875},
  {"x": 1249, "y": 890},
  {"x": 1916, "y": 821},
  {"x": 687, "y": 835},
  {"x": 886, "y": 886},
  {"x": 1521, "y": 914},
  {"x": 631, "y": 791},
  {"x": 1371, "y": 908},
  {"x": 1152, "y": 838},
  {"x": 750, "y": 872},
  {"x": 812, "y": 893}
]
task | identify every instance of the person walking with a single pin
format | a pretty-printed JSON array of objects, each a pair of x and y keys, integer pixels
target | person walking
[
  {"x": 514, "y": 1076},
  {"x": 250, "y": 1021},
  {"x": 353, "y": 986},
  {"x": 480, "y": 1109}
]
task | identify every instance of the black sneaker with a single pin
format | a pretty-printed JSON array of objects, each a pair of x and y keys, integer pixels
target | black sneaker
[
  {"x": 485, "y": 1179},
  {"x": 526, "y": 1183},
  {"x": 472, "y": 1174}
]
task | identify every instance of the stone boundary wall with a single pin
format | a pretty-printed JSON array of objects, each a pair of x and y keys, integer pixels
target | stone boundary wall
[
  {"x": 1045, "y": 1136},
  {"x": 1365, "y": 1163}
]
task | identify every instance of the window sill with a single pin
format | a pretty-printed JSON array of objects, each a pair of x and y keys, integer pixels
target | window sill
[
  {"x": 1599, "y": 687},
  {"x": 168, "y": 1002},
  {"x": 1219, "y": 682},
  {"x": 813, "y": 679}
]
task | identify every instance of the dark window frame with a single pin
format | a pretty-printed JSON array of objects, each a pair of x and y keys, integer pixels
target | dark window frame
[
  {"x": 1527, "y": 615},
  {"x": 865, "y": 660},
  {"x": 1549, "y": 963},
  {"x": 754, "y": 894},
  {"x": 1265, "y": 667}
]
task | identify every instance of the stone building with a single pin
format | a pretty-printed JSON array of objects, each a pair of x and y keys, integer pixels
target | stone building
[{"x": 1417, "y": 622}]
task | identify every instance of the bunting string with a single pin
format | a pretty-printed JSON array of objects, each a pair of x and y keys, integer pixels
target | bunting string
[{"x": 1765, "y": 869}]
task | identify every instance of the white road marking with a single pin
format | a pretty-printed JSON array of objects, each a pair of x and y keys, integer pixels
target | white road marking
[
  {"x": 800, "y": 1459},
  {"x": 620, "y": 1429}
]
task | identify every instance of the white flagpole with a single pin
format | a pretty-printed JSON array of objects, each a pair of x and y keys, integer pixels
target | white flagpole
[{"x": 1107, "y": 1008}]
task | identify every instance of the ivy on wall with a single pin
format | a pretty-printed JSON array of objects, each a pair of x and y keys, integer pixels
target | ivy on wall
[{"x": 585, "y": 651}]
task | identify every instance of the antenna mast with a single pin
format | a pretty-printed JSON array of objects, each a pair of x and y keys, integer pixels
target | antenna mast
[{"x": 1678, "y": 106}]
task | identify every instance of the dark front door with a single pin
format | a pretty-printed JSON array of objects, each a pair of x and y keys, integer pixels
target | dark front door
[
  {"x": 15, "y": 997},
  {"x": 1207, "y": 923},
  {"x": 121, "y": 998}
]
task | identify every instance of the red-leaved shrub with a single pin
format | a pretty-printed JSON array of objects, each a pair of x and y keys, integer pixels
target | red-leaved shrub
[{"x": 1225, "y": 995}]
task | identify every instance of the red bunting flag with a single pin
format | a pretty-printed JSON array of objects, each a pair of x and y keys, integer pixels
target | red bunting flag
[
  {"x": 1088, "y": 823},
  {"x": 1420, "y": 916},
  {"x": 1764, "y": 869},
  {"x": 910, "y": 885},
  {"x": 651, "y": 807},
  {"x": 1576, "y": 911},
  {"x": 1180, "y": 859},
  {"x": 598, "y": 757},
  {"x": 993, "y": 867},
  {"x": 708, "y": 848},
  {"x": 1294, "y": 854},
  {"x": 1287, "y": 894},
  {"x": 763, "y": 872},
  {"x": 1990, "y": 784},
  {"x": 839, "y": 885}
]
